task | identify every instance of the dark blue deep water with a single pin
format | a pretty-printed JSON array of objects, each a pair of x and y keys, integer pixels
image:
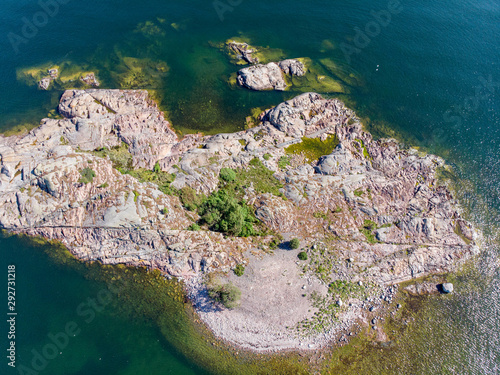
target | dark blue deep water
[{"x": 427, "y": 74}]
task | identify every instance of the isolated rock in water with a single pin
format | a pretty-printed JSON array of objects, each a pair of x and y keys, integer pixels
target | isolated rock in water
[
  {"x": 54, "y": 73},
  {"x": 90, "y": 80},
  {"x": 262, "y": 77},
  {"x": 44, "y": 83},
  {"x": 292, "y": 67},
  {"x": 243, "y": 51},
  {"x": 447, "y": 288}
]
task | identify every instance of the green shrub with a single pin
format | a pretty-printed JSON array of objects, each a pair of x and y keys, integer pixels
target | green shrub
[
  {"x": 194, "y": 227},
  {"x": 267, "y": 156},
  {"x": 302, "y": 255},
  {"x": 164, "y": 211},
  {"x": 224, "y": 213},
  {"x": 87, "y": 175},
  {"x": 295, "y": 243},
  {"x": 239, "y": 270},
  {"x": 136, "y": 195},
  {"x": 228, "y": 294},
  {"x": 275, "y": 242},
  {"x": 227, "y": 174}
]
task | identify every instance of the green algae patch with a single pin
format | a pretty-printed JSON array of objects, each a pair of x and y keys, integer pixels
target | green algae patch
[
  {"x": 65, "y": 75},
  {"x": 263, "y": 54},
  {"x": 349, "y": 77},
  {"x": 151, "y": 29},
  {"x": 313, "y": 148},
  {"x": 134, "y": 73}
]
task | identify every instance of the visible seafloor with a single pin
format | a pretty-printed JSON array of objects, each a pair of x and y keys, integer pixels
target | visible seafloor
[{"x": 428, "y": 75}]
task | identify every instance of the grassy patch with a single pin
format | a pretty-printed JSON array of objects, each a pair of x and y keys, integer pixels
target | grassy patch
[
  {"x": 122, "y": 161},
  {"x": 257, "y": 176},
  {"x": 313, "y": 148},
  {"x": 190, "y": 199},
  {"x": 358, "y": 192},
  {"x": 87, "y": 175},
  {"x": 283, "y": 162},
  {"x": 368, "y": 227},
  {"x": 363, "y": 149},
  {"x": 227, "y": 294}
]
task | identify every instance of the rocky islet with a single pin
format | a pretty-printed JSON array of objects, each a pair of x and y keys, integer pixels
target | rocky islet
[{"x": 370, "y": 212}]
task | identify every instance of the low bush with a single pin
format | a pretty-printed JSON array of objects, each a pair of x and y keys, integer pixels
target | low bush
[
  {"x": 224, "y": 213},
  {"x": 227, "y": 174},
  {"x": 294, "y": 243},
  {"x": 239, "y": 270},
  {"x": 227, "y": 294},
  {"x": 194, "y": 227},
  {"x": 302, "y": 255}
]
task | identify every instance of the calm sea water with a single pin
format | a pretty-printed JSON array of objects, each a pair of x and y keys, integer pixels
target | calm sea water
[{"x": 429, "y": 75}]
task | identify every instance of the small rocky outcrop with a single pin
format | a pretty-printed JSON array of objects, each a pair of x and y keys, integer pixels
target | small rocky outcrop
[
  {"x": 447, "y": 288},
  {"x": 270, "y": 76},
  {"x": 292, "y": 67},
  {"x": 262, "y": 77},
  {"x": 243, "y": 51}
]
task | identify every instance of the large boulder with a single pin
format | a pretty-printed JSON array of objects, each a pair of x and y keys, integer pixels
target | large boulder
[{"x": 262, "y": 77}]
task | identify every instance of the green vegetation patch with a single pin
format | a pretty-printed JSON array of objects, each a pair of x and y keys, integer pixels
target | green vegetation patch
[
  {"x": 87, "y": 175},
  {"x": 190, "y": 199},
  {"x": 122, "y": 161},
  {"x": 223, "y": 212},
  {"x": 239, "y": 270},
  {"x": 283, "y": 162},
  {"x": 255, "y": 175},
  {"x": 294, "y": 243},
  {"x": 227, "y": 294},
  {"x": 302, "y": 255},
  {"x": 368, "y": 227},
  {"x": 314, "y": 148}
]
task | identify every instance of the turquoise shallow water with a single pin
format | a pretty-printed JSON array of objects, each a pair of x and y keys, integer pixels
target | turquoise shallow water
[{"x": 430, "y": 75}]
